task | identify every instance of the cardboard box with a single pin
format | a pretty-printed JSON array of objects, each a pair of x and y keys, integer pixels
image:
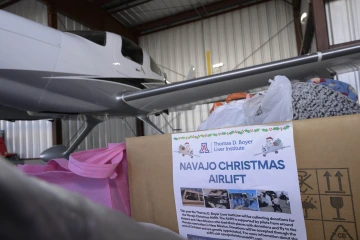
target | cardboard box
[{"x": 328, "y": 159}]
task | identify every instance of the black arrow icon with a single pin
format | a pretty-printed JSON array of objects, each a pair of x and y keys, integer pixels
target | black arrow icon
[
  {"x": 327, "y": 175},
  {"x": 339, "y": 176}
]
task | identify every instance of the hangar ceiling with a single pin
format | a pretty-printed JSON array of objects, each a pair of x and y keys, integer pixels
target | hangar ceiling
[
  {"x": 145, "y": 16},
  {"x": 137, "y": 12},
  {"x": 139, "y": 17}
]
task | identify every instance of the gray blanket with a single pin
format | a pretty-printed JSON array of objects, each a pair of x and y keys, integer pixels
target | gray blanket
[{"x": 32, "y": 209}]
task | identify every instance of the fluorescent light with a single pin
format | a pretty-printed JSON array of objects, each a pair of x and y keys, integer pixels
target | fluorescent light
[
  {"x": 303, "y": 17},
  {"x": 217, "y": 65},
  {"x": 116, "y": 63}
]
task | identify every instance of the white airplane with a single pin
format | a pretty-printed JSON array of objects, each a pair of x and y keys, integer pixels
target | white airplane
[{"x": 48, "y": 74}]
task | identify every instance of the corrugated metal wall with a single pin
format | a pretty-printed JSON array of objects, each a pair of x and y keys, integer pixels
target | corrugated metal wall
[
  {"x": 67, "y": 24},
  {"x": 343, "y": 20},
  {"x": 242, "y": 38},
  {"x": 30, "y": 9},
  {"x": 28, "y": 138},
  {"x": 114, "y": 130}
]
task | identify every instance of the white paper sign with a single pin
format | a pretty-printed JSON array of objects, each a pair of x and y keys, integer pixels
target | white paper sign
[{"x": 239, "y": 183}]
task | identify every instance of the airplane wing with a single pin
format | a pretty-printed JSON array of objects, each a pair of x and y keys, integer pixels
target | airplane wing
[
  {"x": 13, "y": 114},
  {"x": 322, "y": 64}
]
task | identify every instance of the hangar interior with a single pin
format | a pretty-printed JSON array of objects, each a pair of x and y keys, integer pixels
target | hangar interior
[{"x": 209, "y": 36}]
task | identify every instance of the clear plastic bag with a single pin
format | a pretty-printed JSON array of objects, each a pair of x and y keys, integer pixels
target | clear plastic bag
[
  {"x": 227, "y": 115},
  {"x": 274, "y": 106}
]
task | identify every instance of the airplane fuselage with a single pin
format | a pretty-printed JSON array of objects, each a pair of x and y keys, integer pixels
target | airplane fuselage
[{"x": 44, "y": 70}]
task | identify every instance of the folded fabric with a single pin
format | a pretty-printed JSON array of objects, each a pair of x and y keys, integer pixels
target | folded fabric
[
  {"x": 98, "y": 174},
  {"x": 238, "y": 96},
  {"x": 342, "y": 87},
  {"x": 317, "y": 101},
  {"x": 231, "y": 97},
  {"x": 34, "y": 209}
]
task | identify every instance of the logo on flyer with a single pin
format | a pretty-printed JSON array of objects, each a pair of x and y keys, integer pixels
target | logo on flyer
[
  {"x": 272, "y": 146},
  {"x": 186, "y": 150},
  {"x": 204, "y": 148}
]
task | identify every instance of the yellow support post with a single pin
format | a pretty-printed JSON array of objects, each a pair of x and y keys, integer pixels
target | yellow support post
[{"x": 208, "y": 63}]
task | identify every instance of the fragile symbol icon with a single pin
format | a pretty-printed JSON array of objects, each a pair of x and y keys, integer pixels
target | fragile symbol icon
[
  {"x": 337, "y": 203},
  {"x": 341, "y": 233}
]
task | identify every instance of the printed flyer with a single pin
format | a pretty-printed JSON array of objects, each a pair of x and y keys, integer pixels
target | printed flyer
[{"x": 238, "y": 183}]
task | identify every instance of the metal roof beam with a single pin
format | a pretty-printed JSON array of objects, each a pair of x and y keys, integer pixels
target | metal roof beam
[
  {"x": 127, "y": 6},
  {"x": 298, "y": 28},
  {"x": 8, "y": 3},
  {"x": 320, "y": 24},
  {"x": 309, "y": 33},
  {"x": 92, "y": 15},
  {"x": 189, "y": 14}
]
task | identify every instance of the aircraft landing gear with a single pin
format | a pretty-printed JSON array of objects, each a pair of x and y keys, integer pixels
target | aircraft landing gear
[
  {"x": 147, "y": 120},
  {"x": 61, "y": 151}
]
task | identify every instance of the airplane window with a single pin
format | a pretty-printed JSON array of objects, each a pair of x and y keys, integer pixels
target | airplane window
[
  {"x": 154, "y": 67},
  {"x": 97, "y": 37},
  {"x": 131, "y": 51}
]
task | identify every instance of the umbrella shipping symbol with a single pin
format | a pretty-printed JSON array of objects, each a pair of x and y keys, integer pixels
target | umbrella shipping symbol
[{"x": 308, "y": 204}]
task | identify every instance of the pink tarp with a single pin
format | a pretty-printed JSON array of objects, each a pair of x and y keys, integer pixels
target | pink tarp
[{"x": 98, "y": 174}]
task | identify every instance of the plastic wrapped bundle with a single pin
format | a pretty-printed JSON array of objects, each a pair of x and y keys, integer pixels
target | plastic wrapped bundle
[
  {"x": 283, "y": 102},
  {"x": 317, "y": 101}
]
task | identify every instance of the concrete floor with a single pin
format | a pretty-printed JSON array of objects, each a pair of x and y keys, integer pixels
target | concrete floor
[{"x": 25, "y": 161}]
